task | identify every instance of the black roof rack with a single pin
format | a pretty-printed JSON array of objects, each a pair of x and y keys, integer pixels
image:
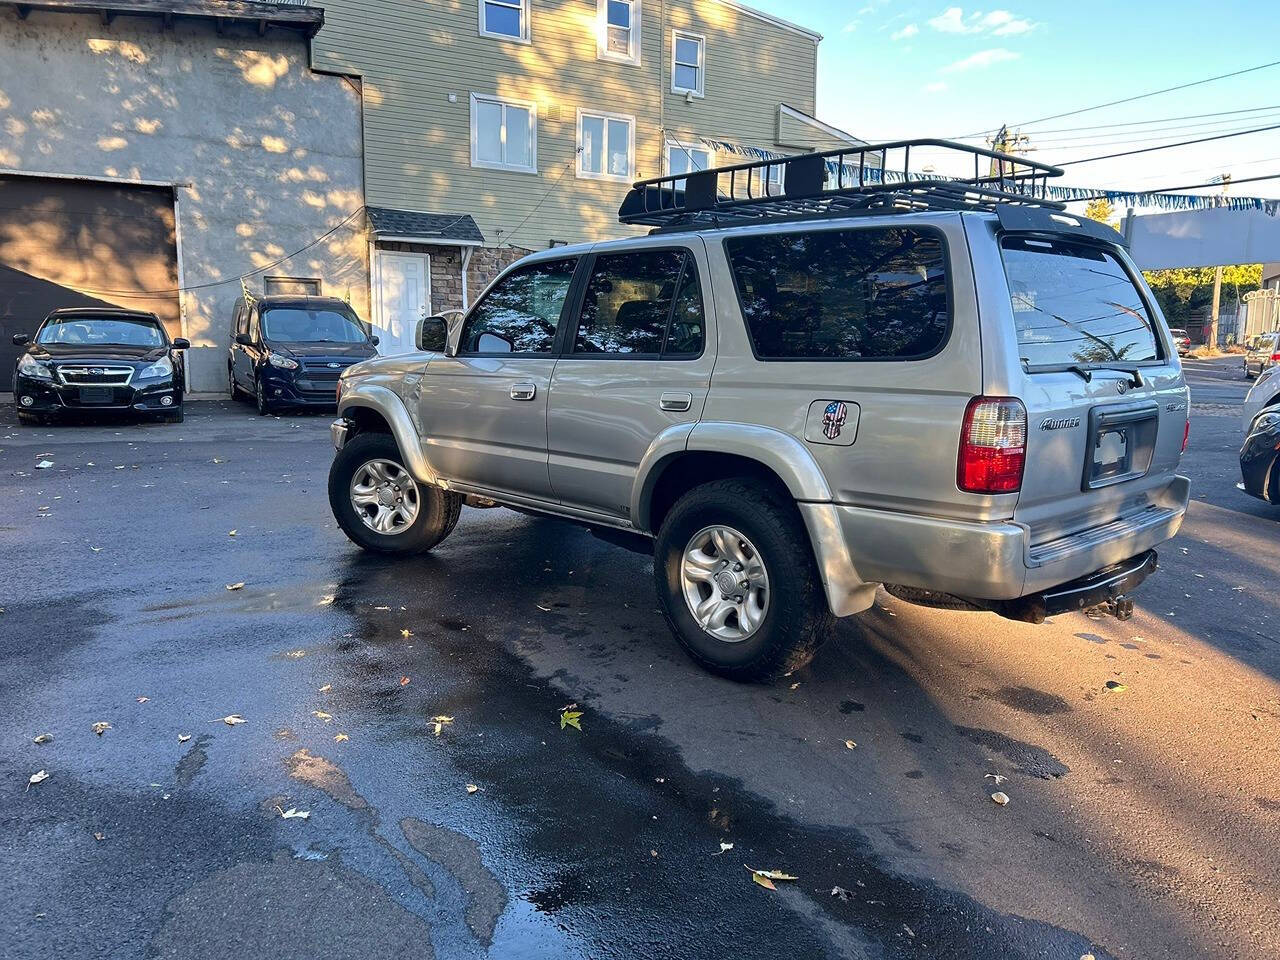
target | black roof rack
[{"x": 874, "y": 176}]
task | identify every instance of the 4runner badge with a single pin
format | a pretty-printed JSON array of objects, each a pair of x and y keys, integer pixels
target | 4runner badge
[
  {"x": 1066, "y": 423},
  {"x": 833, "y": 419}
]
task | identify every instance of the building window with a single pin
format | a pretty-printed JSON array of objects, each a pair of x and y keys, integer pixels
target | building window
[
  {"x": 504, "y": 134},
  {"x": 618, "y": 30},
  {"x": 607, "y": 146},
  {"x": 682, "y": 159},
  {"x": 688, "y": 55},
  {"x": 508, "y": 19},
  {"x": 297, "y": 286}
]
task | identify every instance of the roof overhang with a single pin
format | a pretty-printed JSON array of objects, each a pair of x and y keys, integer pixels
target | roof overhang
[
  {"x": 293, "y": 17},
  {"x": 785, "y": 110},
  {"x": 391, "y": 237}
]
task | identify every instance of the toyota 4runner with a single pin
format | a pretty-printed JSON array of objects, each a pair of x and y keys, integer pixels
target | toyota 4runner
[{"x": 814, "y": 376}]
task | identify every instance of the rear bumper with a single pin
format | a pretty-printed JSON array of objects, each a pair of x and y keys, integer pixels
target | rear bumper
[
  {"x": 1104, "y": 586},
  {"x": 982, "y": 561}
]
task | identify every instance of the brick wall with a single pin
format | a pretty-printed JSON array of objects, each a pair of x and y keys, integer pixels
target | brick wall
[{"x": 487, "y": 263}]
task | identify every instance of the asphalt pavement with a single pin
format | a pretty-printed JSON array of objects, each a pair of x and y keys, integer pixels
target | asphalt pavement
[{"x": 412, "y": 710}]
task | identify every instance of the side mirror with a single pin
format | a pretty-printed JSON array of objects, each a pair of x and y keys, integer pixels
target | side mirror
[
  {"x": 375, "y": 340},
  {"x": 433, "y": 334},
  {"x": 21, "y": 339},
  {"x": 244, "y": 340},
  {"x": 181, "y": 343}
]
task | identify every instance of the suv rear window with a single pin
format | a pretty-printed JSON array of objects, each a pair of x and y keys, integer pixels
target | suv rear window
[
  {"x": 1075, "y": 304},
  {"x": 861, "y": 294}
]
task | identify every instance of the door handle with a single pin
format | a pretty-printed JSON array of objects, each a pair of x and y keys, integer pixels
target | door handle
[
  {"x": 676, "y": 402},
  {"x": 523, "y": 391}
]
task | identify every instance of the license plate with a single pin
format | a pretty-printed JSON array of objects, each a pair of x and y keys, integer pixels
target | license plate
[{"x": 96, "y": 394}]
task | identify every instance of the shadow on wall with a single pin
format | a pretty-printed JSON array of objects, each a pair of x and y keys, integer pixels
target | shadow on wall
[{"x": 25, "y": 300}]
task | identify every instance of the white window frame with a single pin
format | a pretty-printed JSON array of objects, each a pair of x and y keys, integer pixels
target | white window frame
[
  {"x": 602, "y": 33},
  {"x": 673, "y": 145},
  {"x": 630, "y": 121},
  {"x": 504, "y": 102},
  {"x": 677, "y": 35},
  {"x": 521, "y": 5}
]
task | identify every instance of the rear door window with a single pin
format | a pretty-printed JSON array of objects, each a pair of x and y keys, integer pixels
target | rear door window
[
  {"x": 1075, "y": 303},
  {"x": 862, "y": 294},
  {"x": 643, "y": 303}
]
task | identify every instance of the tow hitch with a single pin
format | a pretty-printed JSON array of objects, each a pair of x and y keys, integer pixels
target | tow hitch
[
  {"x": 1106, "y": 589},
  {"x": 1121, "y": 608}
]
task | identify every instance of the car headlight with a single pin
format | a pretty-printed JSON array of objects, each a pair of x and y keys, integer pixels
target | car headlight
[
  {"x": 29, "y": 366},
  {"x": 281, "y": 361},
  {"x": 161, "y": 368}
]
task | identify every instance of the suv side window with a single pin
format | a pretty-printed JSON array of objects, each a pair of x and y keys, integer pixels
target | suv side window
[
  {"x": 521, "y": 311},
  {"x": 878, "y": 293},
  {"x": 643, "y": 303}
]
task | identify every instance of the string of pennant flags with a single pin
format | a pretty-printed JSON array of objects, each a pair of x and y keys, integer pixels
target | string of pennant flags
[{"x": 1122, "y": 198}]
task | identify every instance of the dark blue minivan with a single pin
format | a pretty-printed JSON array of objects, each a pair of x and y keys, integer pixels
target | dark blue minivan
[{"x": 288, "y": 351}]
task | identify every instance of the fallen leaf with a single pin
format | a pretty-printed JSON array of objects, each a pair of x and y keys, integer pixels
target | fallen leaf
[
  {"x": 439, "y": 722},
  {"x": 231, "y": 533},
  {"x": 327, "y": 600},
  {"x": 850, "y": 745},
  {"x": 406, "y": 634},
  {"x": 772, "y": 874},
  {"x": 841, "y": 893},
  {"x": 293, "y": 813},
  {"x": 143, "y": 699},
  {"x": 404, "y": 681},
  {"x": 44, "y": 464},
  {"x": 184, "y": 737},
  {"x": 99, "y": 837},
  {"x": 296, "y": 654},
  {"x": 43, "y": 738},
  {"x": 326, "y": 688},
  {"x": 39, "y": 777},
  {"x": 996, "y": 777},
  {"x": 472, "y": 788},
  {"x": 542, "y": 608},
  {"x": 341, "y": 738},
  {"x": 571, "y": 718},
  {"x": 1115, "y": 686},
  {"x": 101, "y": 727},
  {"x": 321, "y": 715},
  {"x": 232, "y": 720},
  {"x": 795, "y": 686},
  {"x": 724, "y": 848},
  {"x": 96, "y": 549},
  {"x": 218, "y": 460},
  {"x": 1001, "y": 798},
  {"x": 236, "y": 586}
]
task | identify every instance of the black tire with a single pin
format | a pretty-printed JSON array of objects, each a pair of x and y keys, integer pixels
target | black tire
[
  {"x": 260, "y": 400},
  {"x": 797, "y": 620},
  {"x": 176, "y": 415},
  {"x": 438, "y": 510},
  {"x": 30, "y": 419},
  {"x": 231, "y": 383}
]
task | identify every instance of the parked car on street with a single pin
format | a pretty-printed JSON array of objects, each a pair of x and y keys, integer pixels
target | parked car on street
[
  {"x": 956, "y": 390},
  {"x": 1261, "y": 353},
  {"x": 1181, "y": 340},
  {"x": 288, "y": 351},
  {"x": 1259, "y": 471},
  {"x": 97, "y": 359}
]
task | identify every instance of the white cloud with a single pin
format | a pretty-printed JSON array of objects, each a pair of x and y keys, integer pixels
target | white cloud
[
  {"x": 999, "y": 23},
  {"x": 981, "y": 60},
  {"x": 936, "y": 87},
  {"x": 851, "y": 26},
  {"x": 910, "y": 30}
]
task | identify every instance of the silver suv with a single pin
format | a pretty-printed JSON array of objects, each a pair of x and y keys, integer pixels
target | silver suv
[{"x": 951, "y": 388}]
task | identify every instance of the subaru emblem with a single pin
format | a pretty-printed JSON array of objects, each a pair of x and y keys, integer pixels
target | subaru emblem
[{"x": 95, "y": 371}]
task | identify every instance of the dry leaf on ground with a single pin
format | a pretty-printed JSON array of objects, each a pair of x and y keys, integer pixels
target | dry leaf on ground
[
  {"x": 341, "y": 737},
  {"x": 439, "y": 723},
  {"x": 571, "y": 718},
  {"x": 1115, "y": 686},
  {"x": 1001, "y": 798},
  {"x": 232, "y": 533},
  {"x": 101, "y": 727},
  {"x": 321, "y": 715},
  {"x": 406, "y": 634},
  {"x": 42, "y": 738},
  {"x": 39, "y": 777},
  {"x": 724, "y": 848},
  {"x": 326, "y": 688},
  {"x": 144, "y": 699},
  {"x": 99, "y": 836},
  {"x": 840, "y": 893},
  {"x": 404, "y": 681},
  {"x": 766, "y": 877},
  {"x": 293, "y": 813},
  {"x": 472, "y": 788},
  {"x": 995, "y": 777},
  {"x": 327, "y": 600},
  {"x": 184, "y": 737},
  {"x": 850, "y": 745},
  {"x": 238, "y": 585},
  {"x": 44, "y": 464},
  {"x": 231, "y": 720}
]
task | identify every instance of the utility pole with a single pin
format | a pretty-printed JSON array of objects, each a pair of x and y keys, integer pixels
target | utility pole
[
  {"x": 1006, "y": 141},
  {"x": 1217, "y": 285}
]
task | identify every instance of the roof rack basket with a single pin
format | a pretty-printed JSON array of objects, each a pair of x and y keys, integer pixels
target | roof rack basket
[{"x": 873, "y": 176}]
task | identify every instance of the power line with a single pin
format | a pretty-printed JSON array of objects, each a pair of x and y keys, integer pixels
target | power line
[
  {"x": 1169, "y": 146},
  {"x": 1185, "y": 186},
  {"x": 1141, "y": 96},
  {"x": 1158, "y": 133},
  {"x": 1141, "y": 123}
]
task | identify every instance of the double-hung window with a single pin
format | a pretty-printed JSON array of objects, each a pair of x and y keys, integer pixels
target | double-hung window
[
  {"x": 606, "y": 144},
  {"x": 507, "y": 19},
  {"x": 618, "y": 26},
  {"x": 688, "y": 63},
  {"x": 682, "y": 159},
  {"x": 504, "y": 134}
]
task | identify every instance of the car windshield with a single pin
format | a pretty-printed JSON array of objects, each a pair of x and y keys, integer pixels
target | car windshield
[
  {"x": 89, "y": 330},
  {"x": 1075, "y": 304},
  {"x": 1178, "y": 332},
  {"x": 303, "y": 325}
]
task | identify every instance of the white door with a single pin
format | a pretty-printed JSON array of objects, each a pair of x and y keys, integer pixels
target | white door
[{"x": 403, "y": 298}]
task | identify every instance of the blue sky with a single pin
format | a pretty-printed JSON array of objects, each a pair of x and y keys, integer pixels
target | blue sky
[{"x": 889, "y": 69}]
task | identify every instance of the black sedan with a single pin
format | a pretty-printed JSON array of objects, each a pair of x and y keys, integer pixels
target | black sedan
[
  {"x": 1260, "y": 458},
  {"x": 96, "y": 359}
]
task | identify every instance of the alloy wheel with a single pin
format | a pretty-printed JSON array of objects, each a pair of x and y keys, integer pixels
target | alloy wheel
[
  {"x": 725, "y": 583},
  {"x": 385, "y": 497}
]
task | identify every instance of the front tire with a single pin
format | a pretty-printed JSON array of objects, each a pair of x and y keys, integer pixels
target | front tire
[
  {"x": 260, "y": 398},
  {"x": 379, "y": 505},
  {"x": 738, "y": 582}
]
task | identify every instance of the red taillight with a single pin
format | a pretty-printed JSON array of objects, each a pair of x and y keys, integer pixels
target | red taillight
[
  {"x": 993, "y": 446},
  {"x": 1275, "y": 357},
  {"x": 1186, "y": 435}
]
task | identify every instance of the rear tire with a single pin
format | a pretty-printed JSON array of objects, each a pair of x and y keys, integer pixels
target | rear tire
[
  {"x": 796, "y": 620},
  {"x": 368, "y": 455}
]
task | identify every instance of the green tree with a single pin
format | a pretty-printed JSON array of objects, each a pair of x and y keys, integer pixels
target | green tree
[
  {"x": 1184, "y": 290},
  {"x": 1100, "y": 210}
]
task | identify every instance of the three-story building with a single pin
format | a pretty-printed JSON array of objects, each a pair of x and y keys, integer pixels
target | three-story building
[{"x": 496, "y": 127}]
